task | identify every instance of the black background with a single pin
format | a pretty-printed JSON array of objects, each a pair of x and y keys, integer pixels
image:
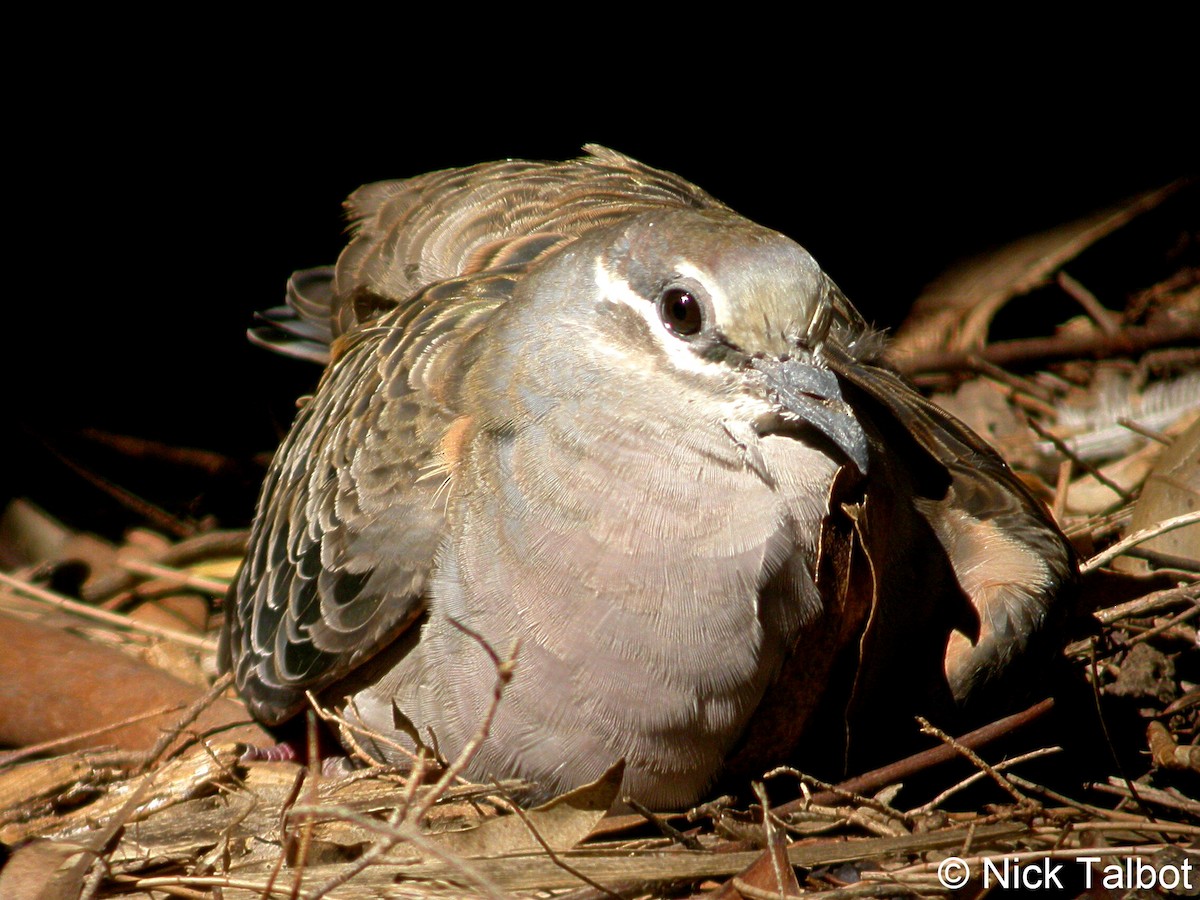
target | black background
[{"x": 159, "y": 205}]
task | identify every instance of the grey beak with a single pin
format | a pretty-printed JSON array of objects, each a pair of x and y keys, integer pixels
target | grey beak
[{"x": 812, "y": 394}]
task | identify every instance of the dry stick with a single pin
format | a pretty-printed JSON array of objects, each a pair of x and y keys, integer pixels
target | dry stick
[
  {"x": 183, "y": 893},
  {"x": 1130, "y": 340},
  {"x": 1071, "y": 802},
  {"x": 1090, "y": 302},
  {"x": 967, "y": 782},
  {"x": 756, "y": 893},
  {"x": 1138, "y": 537},
  {"x": 760, "y": 791},
  {"x": 393, "y": 832},
  {"x": 555, "y": 858},
  {"x": 140, "y": 448},
  {"x": 1062, "y": 487},
  {"x": 1149, "y": 602},
  {"x": 1070, "y": 454},
  {"x": 1095, "y": 679},
  {"x": 1165, "y": 626},
  {"x": 414, "y": 814},
  {"x": 1166, "y": 561},
  {"x": 90, "y": 612},
  {"x": 311, "y": 784},
  {"x": 162, "y": 519},
  {"x": 504, "y": 674},
  {"x": 341, "y": 722},
  {"x": 687, "y": 841},
  {"x": 840, "y": 793},
  {"x": 285, "y": 839},
  {"x": 1100, "y": 526},
  {"x": 1145, "y": 432},
  {"x": 1150, "y": 795},
  {"x": 95, "y": 877},
  {"x": 1022, "y": 385},
  {"x": 97, "y": 844},
  {"x": 15, "y": 756},
  {"x": 928, "y": 728},
  {"x": 1029, "y": 404},
  {"x": 190, "y": 715},
  {"x": 219, "y": 881},
  {"x": 919, "y": 762},
  {"x": 1152, "y": 827},
  {"x": 182, "y": 579},
  {"x": 187, "y": 551}
]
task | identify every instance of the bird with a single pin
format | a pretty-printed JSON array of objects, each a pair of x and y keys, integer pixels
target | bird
[{"x": 585, "y": 414}]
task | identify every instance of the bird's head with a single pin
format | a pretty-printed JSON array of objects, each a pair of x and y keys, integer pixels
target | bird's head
[{"x": 713, "y": 307}]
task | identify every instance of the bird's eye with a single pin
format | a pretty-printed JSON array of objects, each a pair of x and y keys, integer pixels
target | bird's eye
[{"x": 681, "y": 312}]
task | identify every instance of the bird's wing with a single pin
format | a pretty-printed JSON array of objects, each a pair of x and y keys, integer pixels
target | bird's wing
[
  {"x": 1009, "y": 558},
  {"x": 350, "y": 517},
  {"x": 414, "y": 232}
]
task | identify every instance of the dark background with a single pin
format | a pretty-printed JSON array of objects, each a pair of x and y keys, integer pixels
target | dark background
[{"x": 155, "y": 221}]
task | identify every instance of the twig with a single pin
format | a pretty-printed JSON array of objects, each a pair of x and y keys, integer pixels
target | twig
[
  {"x": 1150, "y": 603},
  {"x": 1062, "y": 488},
  {"x": 1165, "y": 626},
  {"x": 1101, "y": 526},
  {"x": 760, "y": 791},
  {"x": 218, "y": 881},
  {"x": 48, "y": 747},
  {"x": 1061, "y": 446},
  {"x": 390, "y": 833},
  {"x": 555, "y": 858},
  {"x": 182, "y": 579},
  {"x": 1090, "y": 303},
  {"x": 190, "y": 715},
  {"x": 1143, "y": 825},
  {"x": 919, "y": 762},
  {"x": 687, "y": 841},
  {"x": 140, "y": 448},
  {"x": 1130, "y": 340},
  {"x": 1012, "y": 380},
  {"x": 1167, "y": 753},
  {"x": 504, "y": 674},
  {"x": 928, "y": 728},
  {"x": 1096, "y": 811},
  {"x": 340, "y": 722},
  {"x": 58, "y": 601},
  {"x": 967, "y": 782},
  {"x": 187, "y": 551},
  {"x": 312, "y": 781},
  {"x": 416, "y": 813},
  {"x": 1108, "y": 741},
  {"x": 1106, "y": 556},
  {"x": 1149, "y": 795},
  {"x": 161, "y": 519},
  {"x": 1145, "y": 432},
  {"x": 870, "y": 802}
]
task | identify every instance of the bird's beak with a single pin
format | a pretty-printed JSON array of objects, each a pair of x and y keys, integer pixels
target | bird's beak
[{"x": 809, "y": 392}]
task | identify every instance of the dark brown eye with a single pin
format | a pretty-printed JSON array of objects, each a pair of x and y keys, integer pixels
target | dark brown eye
[{"x": 680, "y": 311}]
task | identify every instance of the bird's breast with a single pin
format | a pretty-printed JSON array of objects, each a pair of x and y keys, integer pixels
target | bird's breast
[{"x": 653, "y": 580}]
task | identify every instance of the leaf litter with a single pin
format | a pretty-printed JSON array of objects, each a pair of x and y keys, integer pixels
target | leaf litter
[{"x": 1099, "y": 412}]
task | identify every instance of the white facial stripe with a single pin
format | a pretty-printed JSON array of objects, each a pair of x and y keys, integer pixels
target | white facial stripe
[
  {"x": 618, "y": 290},
  {"x": 737, "y": 404},
  {"x": 688, "y": 269}
]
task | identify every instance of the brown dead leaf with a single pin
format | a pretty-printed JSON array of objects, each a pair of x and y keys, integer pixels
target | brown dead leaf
[
  {"x": 46, "y": 870},
  {"x": 1172, "y": 489},
  {"x": 561, "y": 823},
  {"x": 955, "y": 312}
]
